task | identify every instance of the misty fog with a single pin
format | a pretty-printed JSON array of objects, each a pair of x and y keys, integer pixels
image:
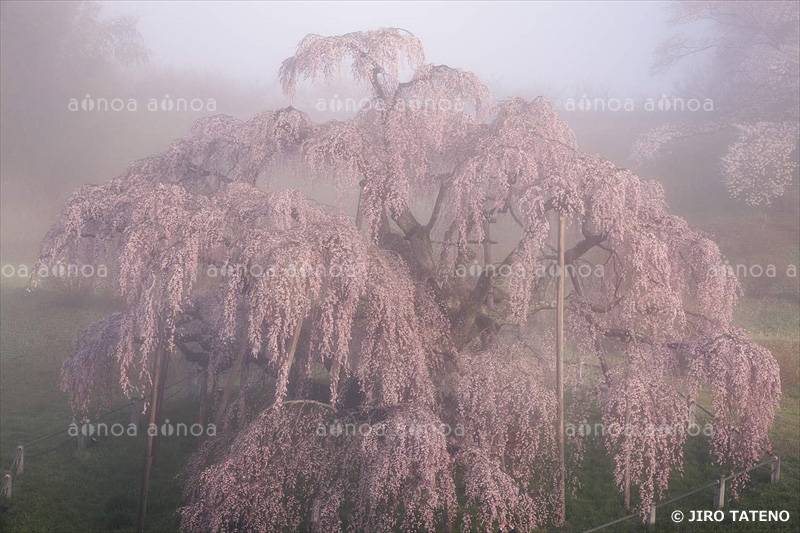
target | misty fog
[
  {"x": 230, "y": 53},
  {"x": 567, "y": 233}
]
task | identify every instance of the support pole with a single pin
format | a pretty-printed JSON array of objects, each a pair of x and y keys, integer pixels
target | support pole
[
  {"x": 627, "y": 476},
  {"x": 85, "y": 434},
  {"x": 359, "y": 211},
  {"x": 487, "y": 259},
  {"x": 226, "y": 394},
  {"x": 135, "y": 411},
  {"x": 775, "y": 470},
  {"x": 719, "y": 493},
  {"x": 651, "y": 520},
  {"x": 162, "y": 386},
  {"x": 561, "y": 476},
  {"x": 203, "y": 397},
  {"x": 21, "y": 460},
  {"x": 191, "y": 382},
  {"x": 157, "y": 397}
]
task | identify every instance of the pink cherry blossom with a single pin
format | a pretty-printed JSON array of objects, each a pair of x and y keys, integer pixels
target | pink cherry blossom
[{"x": 381, "y": 326}]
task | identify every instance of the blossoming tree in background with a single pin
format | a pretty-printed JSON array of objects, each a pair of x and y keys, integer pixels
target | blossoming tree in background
[
  {"x": 752, "y": 76},
  {"x": 400, "y": 321}
]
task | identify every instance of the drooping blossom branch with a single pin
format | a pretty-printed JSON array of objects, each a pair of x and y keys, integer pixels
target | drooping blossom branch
[{"x": 399, "y": 324}]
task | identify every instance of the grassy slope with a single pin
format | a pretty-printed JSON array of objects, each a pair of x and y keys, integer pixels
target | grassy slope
[{"x": 69, "y": 489}]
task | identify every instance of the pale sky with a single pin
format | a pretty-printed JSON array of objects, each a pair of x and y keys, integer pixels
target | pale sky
[{"x": 516, "y": 45}]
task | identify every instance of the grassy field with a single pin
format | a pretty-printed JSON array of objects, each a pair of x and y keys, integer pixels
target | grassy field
[{"x": 66, "y": 489}]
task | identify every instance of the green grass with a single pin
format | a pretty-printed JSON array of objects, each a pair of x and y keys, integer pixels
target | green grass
[
  {"x": 68, "y": 489},
  {"x": 97, "y": 489},
  {"x": 772, "y": 322},
  {"x": 598, "y": 501}
]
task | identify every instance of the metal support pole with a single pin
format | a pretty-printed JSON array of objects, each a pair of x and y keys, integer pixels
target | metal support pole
[{"x": 560, "y": 366}]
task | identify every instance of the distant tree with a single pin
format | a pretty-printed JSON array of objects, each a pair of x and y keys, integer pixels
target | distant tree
[
  {"x": 751, "y": 72},
  {"x": 396, "y": 314},
  {"x": 53, "y": 51}
]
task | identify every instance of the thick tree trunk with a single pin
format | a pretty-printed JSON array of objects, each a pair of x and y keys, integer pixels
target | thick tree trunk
[{"x": 418, "y": 237}]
